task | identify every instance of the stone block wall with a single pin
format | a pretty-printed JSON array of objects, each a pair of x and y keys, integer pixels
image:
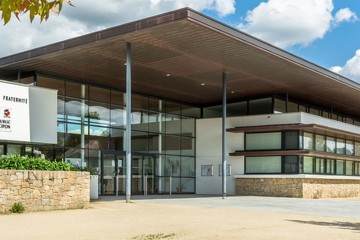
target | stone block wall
[
  {"x": 331, "y": 188},
  {"x": 298, "y": 187},
  {"x": 270, "y": 187},
  {"x": 44, "y": 190}
]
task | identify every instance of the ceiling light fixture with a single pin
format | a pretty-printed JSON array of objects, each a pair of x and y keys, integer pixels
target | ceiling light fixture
[
  {"x": 168, "y": 75},
  {"x": 202, "y": 84}
]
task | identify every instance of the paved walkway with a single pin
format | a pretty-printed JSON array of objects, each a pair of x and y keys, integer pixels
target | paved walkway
[{"x": 191, "y": 217}]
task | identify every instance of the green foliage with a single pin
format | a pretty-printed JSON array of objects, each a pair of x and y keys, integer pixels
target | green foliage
[
  {"x": 41, "y": 8},
  {"x": 33, "y": 163},
  {"x": 17, "y": 208}
]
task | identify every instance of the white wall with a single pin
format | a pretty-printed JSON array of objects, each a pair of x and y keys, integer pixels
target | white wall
[{"x": 208, "y": 152}]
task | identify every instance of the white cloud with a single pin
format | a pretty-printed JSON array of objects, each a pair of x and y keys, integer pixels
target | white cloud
[
  {"x": 92, "y": 15},
  {"x": 285, "y": 23},
  {"x": 351, "y": 68},
  {"x": 345, "y": 15}
]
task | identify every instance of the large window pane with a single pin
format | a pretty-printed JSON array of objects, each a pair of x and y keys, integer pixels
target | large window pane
[
  {"x": 266, "y": 164},
  {"x": 172, "y": 145},
  {"x": 320, "y": 143},
  {"x": 340, "y": 167},
  {"x": 308, "y": 165},
  {"x": 187, "y": 167},
  {"x": 190, "y": 111},
  {"x": 349, "y": 147},
  {"x": 99, "y": 114},
  {"x": 330, "y": 144},
  {"x": 330, "y": 166},
  {"x": 139, "y": 141},
  {"x": 319, "y": 166},
  {"x": 279, "y": 106},
  {"x": 76, "y": 110},
  {"x": 173, "y": 124},
  {"x": 349, "y": 168},
  {"x": 263, "y": 141},
  {"x": 291, "y": 140},
  {"x": 293, "y": 107},
  {"x": 51, "y": 83},
  {"x": 188, "y": 127},
  {"x": 99, "y": 94},
  {"x": 117, "y": 116},
  {"x": 76, "y": 90},
  {"x": 237, "y": 109},
  {"x": 357, "y": 148},
  {"x": 260, "y": 106},
  {"x": 308, "y": 141},
  {"x": 187, "y": 146},
  {"x": 291, "y": 164},
  {"x": 340, "y": 146}
]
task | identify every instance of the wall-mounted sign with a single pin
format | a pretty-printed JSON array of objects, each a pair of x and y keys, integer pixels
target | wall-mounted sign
[
  {"x": 27, "y": 114},
  {"x": 14, "y": 112}
]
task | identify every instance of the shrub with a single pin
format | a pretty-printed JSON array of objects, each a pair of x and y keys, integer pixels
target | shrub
[
  {"x": 17, "y": 208},
  {"x": 33, "y": 163}
]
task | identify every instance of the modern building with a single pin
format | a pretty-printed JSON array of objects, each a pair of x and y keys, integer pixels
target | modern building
[{"x": 292, "y": 128}]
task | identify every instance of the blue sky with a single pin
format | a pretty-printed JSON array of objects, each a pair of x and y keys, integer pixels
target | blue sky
[{"x": 325, "y": 32}]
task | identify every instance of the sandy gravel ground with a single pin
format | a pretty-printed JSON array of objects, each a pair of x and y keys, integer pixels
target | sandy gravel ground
[{"x": 138, "y": 220}]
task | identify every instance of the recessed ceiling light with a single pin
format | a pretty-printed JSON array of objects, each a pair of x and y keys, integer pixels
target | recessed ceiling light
[
  {"x": 168, "y": 75},
  {"x": 232, "y": 92},
  {"x": 202, "y": 84}
]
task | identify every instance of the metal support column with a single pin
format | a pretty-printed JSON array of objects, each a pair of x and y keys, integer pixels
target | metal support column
[
  {"x": 128, "y": 122},
  {"x": 224, "y": 135}
]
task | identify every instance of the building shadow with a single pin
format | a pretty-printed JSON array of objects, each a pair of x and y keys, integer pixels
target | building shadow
[{"x": 341, "y": 225}]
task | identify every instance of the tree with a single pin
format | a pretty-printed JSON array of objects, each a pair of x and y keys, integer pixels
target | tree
[{"x": 41, "y": 8}]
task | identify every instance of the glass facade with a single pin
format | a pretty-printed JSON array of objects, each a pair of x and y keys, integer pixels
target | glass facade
[
  {"x": 91, "y": 129},
  {"x": 335, "y": 148}
]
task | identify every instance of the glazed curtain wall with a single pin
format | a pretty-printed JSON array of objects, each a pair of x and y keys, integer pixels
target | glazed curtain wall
[{"x": 92, "y": 119}]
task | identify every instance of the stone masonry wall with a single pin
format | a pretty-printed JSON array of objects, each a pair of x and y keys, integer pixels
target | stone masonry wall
[
  {"x": 331, "y": 188},
  {"x": 271, "y": 187},
  {"x": 44, "y": 190},
  {"x": 298, "y": 187}
]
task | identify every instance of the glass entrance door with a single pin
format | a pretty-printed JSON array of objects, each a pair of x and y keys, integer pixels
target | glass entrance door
[
  {"x": 142, "y": 181},
  {"x": 112, "y": 174}
]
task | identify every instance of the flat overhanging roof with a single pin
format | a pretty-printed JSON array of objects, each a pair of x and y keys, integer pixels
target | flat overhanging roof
[{"x": 193, "y": 49}]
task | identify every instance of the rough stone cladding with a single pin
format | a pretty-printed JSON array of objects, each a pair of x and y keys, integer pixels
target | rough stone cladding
[
  {"x": 44, "y": 190},
  {"x": 298, "y": 187}
]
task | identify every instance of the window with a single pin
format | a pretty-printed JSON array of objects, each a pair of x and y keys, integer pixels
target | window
[
  {"x": 263, "y": 141},
  {"x": 349, "y": 147},
  {"x": 279, "y": 106},
  {"x": 308, "y": 141},
  {"x": 330, "y": 144},
  {"x": 266, "y": 164},
  {"x": 308, "y": 165},
  {"x": 340, "y": 164},
  {"x": 319, "y": 166},
  {"x": 357, "y": 148},
  {"x": 349, "y": 168},
  {"x": 260, "y": 106},
  {"x": 291, "y": 164},
  {"x": 340, "y": 146},
  {"x": 291, "y": 140},
  {"x": 330, "y": 166},
  {"x": 320, "y": 143}
]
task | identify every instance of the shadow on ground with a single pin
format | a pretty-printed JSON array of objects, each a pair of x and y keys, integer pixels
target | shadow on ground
[{"x": 341, "y": 225}]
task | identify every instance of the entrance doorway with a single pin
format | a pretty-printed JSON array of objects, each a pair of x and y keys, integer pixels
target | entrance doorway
[{"x": 113, "y": 173}]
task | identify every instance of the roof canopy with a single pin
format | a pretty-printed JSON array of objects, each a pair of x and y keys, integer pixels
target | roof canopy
[{"x": 176, "y": 53}]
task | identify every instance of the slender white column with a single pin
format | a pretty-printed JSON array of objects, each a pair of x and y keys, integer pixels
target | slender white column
[
  {"x": 224, "y": 136},
  {"x": 128, "y": 122}
]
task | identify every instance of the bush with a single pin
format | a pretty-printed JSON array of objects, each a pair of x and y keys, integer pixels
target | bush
[
  {"x": 17, "y": 208},
  {"x": 33, "y": 163}
]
